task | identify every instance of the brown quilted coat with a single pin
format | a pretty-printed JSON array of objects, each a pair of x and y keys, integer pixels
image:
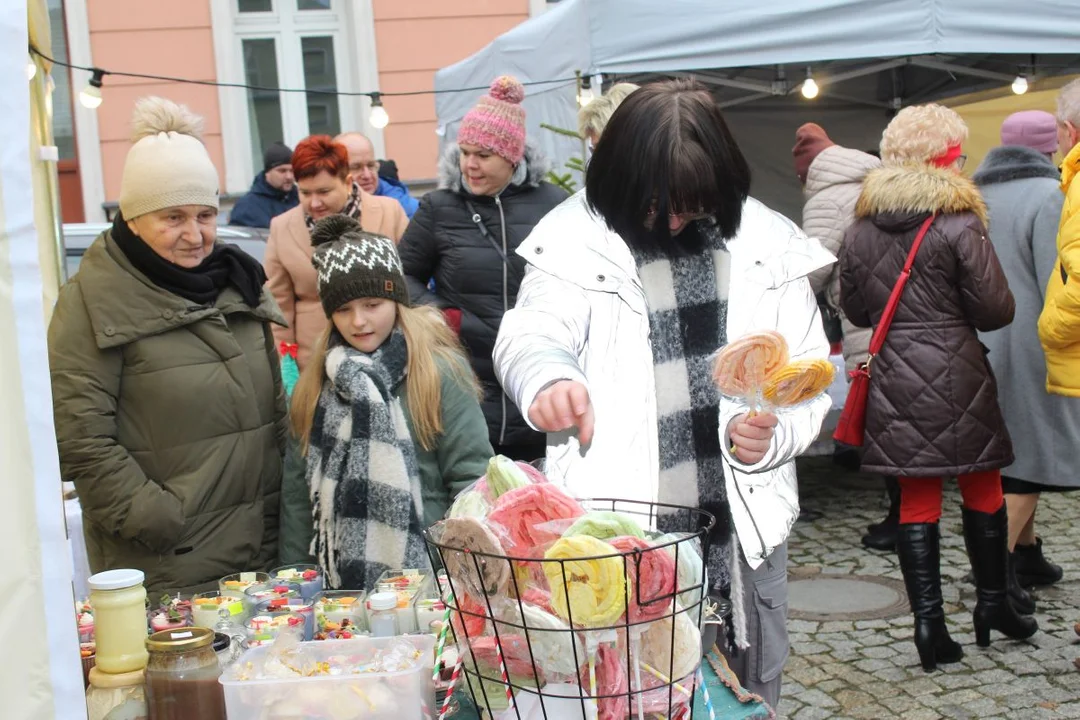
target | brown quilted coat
[{"x": 933, "y": 406}]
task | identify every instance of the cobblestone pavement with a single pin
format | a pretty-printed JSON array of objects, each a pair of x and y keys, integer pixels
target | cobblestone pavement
[{"x": 869, "y": 668}]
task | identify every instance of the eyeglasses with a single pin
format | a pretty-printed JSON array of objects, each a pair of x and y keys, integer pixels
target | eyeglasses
[
  {"x": 959, "y": 162},
  {"x": 373, "y": 166},
  {"x": 684, "y": 217}
]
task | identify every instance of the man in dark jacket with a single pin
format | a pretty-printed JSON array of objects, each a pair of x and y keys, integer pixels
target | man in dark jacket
[{"x": 272, "y": 192}]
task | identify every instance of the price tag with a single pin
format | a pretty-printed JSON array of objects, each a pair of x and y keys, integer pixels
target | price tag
[
  {"x": 247, "y": 577},
  {"x": 181, "y": 635}
]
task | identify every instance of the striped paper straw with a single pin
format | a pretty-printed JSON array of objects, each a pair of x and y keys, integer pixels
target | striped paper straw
[
  {"x": 450, "y": 690},
  {"x": 705, "y": 694},
  {"x": 505, "y": 675},
  {"x": 442, "y": 642}
]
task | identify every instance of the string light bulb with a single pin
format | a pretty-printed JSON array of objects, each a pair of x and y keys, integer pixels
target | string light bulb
[
  {"x": 585, "y": 94},
  {"x": 809, "y": 87},
  {"x": 31, "y": 69},
  {"x": 379, "y": 117},
  {"x": 90, "y": 97},
  {"x": 1020, "y": 85}
]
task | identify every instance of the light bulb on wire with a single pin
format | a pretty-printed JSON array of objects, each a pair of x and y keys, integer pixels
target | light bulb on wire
[
  {"x": 809, "y": 87},
  {"x": 585, "y": 96},
  {"x": 1020, "y": 85},
  {"x": 90, "y": 97},
  {"x": 31, "y": 69},
  {"x": 379, "y": 117}
]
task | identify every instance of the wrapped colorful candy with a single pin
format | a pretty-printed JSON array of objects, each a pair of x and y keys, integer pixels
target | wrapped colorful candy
[
  {"x": 530, "y": 516},
  {"x": 503, "y": 475},
  {"x": 604, "y": 525},
  {"x": 798, "y": 382},
  {"x": 515, "y": 652},
  {"x": 651, "y": 574},
  {"x": 690, "y": 567},
  {"x": 742, "y": 366},
  {"x": 477, "y": 542},
  {"x": 470, "y": 503},
  {"x": 611, "y": 683},
  {"x": 656, "y": 645},
  {"x": 586, "y": 592},
  {"x": 469, "y": 619}
]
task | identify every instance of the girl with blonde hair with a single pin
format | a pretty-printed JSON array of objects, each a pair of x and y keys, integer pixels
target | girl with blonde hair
[{"x": 387, "y": 413}]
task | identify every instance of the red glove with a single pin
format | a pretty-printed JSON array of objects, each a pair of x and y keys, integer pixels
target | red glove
[{"x": 453, "y": 319}]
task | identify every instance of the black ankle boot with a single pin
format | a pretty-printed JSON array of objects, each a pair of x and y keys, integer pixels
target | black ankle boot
[
  {"x": 1032, "y": 568},
  {"x": 1020, "y": 598},
  {"x": 986, "y": 537},
  {"x": 917, "y": 545}
]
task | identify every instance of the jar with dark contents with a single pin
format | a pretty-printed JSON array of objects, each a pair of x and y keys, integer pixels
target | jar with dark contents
[{"x": 182, "y": 676}]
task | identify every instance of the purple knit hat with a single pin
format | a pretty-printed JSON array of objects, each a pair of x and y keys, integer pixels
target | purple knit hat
[
  {"x": 498, "y": 120},
  {"x": 1035, "y": 129}
]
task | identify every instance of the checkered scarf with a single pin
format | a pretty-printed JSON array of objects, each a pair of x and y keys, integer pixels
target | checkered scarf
[
  {"x": 687, "y": 298},
  {"x": 351, "y": 209},
  {"x": 362, "y": 470}
]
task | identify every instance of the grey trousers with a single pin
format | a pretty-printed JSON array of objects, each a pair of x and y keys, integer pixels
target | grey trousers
[{"x": 760, "y": 667}]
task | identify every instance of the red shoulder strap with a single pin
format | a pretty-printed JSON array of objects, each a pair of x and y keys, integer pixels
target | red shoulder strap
[{"x": 882, "y": 329}]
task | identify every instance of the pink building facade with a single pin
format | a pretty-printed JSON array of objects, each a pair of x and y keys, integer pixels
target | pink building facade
[{"x": 307, "y": 45}]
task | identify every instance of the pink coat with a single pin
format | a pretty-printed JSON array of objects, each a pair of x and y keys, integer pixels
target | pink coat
[{"x": 291, "y": 277}]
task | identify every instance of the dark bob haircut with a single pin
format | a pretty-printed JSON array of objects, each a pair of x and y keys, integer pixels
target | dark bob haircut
[{"x": 667, "y": 151}]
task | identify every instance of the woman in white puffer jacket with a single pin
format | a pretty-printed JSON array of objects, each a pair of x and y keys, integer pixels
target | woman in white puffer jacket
[{"x": 608, "y": 344}]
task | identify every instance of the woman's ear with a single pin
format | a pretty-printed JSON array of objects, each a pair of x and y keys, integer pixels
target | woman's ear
[{"x": 133, "y": 227}]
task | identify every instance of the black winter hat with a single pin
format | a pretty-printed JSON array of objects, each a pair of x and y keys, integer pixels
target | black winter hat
[
  {"x": 277, "y": 154},
  {"x": 352, "y": 263}
]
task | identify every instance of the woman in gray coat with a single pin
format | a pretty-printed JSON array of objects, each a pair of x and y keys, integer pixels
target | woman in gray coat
[{"x": 1022, "y": 189}]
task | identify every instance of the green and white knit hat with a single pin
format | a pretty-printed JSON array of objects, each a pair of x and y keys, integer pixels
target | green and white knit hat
[{"x": 352, "y": 263}]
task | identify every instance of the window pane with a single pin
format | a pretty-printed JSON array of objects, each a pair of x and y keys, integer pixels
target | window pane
[
  {"x": 313, "y": 4},
  {"x": 63, "y": 122},
  {"x": 256, "y": 5},
  {"x": 319, "y": 74},
  {"x": 264, "y": 106}
]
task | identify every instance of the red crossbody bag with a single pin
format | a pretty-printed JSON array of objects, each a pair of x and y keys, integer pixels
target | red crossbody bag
[{"x": 850, "y": 428}]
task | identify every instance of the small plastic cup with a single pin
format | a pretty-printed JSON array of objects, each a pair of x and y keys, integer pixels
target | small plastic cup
[
  {"x": 308, "y": 577},
  {"x": 237, "y": 583},
  {"x": 171, "y": 613},
  {"x": 209, "y": 608},
  {"x": 264, "y": 628},
  {"x": 296, "y": 605},
  {"x": 339, "y": 614}
]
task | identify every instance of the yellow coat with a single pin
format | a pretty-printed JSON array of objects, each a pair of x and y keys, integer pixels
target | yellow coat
[{"x": 1059, "y": 324}]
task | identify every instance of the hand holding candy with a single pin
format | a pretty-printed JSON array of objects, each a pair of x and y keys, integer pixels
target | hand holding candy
[{"x": 751, "y": 435}]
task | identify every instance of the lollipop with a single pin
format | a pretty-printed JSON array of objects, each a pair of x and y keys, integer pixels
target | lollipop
[
  {"x": 552, "y": 644},
  {"x": 472, "y": 536},
  {"x": 604, "y": 525},
  {"x": 591, "y": 591},
  {"x": 469, "y": 619},
  {"x": 515, "y": 654},
  {"x": 798, "y": 382},
  {"x": 690, "y": 566},
  {"x": 503, "y": 475},
  {"x": 656, "y": 645},
  {"x": 742, "y": 367},
  {"x": 470, "y": 503},
  {"x": 611, "y": 680},
  {"x": 528, "y": 513},
  {"x": 651, "y": 574}
]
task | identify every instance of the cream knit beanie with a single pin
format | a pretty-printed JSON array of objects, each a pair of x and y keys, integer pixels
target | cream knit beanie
[{"x": 167, "y": 165}]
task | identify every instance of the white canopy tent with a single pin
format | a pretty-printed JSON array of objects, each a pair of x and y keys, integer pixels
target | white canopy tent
[{"x": 868, "y": 56}]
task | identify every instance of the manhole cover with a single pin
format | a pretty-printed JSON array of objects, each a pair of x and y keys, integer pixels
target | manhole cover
[{"x": 845, "y": 597}]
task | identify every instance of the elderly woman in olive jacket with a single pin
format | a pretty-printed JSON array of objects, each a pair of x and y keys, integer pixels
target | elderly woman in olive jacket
[{"x": 169, "y": 407}]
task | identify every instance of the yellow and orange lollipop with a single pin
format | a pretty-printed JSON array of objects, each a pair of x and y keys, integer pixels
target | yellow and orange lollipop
[
  {"x": 743, "y": 366},
  {"x": 798, "y": 382}
]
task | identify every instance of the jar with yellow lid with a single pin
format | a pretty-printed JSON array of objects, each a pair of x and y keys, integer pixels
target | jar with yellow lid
[
  {"x": 119, "y": 601},
  {"x": 182, "y": 676},
  {"x": 116, "y": 697}
]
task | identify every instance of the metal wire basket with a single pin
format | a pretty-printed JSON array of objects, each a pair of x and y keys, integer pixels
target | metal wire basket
[{"x": 521, "y": 659}]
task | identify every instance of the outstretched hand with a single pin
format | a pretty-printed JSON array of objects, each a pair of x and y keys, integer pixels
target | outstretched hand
[{"x": 561, "y": 406}]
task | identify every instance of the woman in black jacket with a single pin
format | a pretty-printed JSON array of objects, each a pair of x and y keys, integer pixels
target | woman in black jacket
[{"x": 491, "y": 194}]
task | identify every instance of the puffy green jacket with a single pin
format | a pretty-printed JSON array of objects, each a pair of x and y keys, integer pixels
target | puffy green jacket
[
  {"x": 460, "y": 458},
  {"x": 170, "y": 420}
]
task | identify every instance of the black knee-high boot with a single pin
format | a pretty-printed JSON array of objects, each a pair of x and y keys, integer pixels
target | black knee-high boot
[
  {"x": 918, "y": 548},
  {"x": 986, "y": 537},
  {"x": 882, "y": 535}
]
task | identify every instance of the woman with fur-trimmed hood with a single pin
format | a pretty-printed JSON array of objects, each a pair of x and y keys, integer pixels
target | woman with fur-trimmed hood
[
  {"x": 491, "y": 194},
  {"x": 933, "y": 409}
]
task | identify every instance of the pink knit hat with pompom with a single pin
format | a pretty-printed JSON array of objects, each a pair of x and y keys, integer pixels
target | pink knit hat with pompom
[{"x": 498, "y": 120}]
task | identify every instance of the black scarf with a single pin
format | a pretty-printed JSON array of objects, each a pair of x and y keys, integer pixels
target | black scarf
[
  {"x": 225, "y": 265},
  {"x": 684, "y": 336}
]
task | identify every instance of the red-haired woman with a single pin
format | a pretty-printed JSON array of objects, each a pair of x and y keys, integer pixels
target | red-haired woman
[{"x": 321, "y": 167}]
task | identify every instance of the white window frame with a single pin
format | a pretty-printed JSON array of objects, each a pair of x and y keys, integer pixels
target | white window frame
[{"x": 351, "y": 25}]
